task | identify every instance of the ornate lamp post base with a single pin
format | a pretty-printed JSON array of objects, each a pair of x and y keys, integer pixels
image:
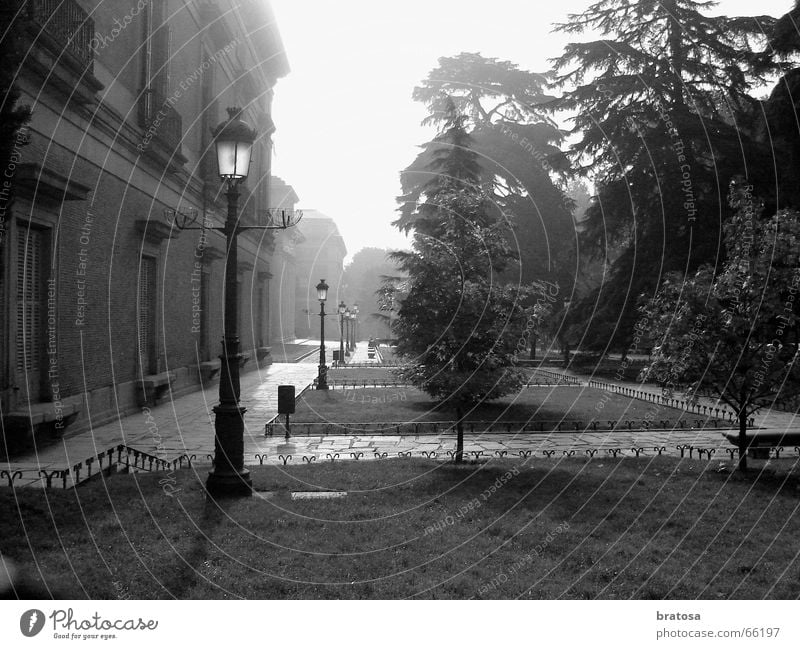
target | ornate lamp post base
[
  {"x": 233, "y": 485},
  {"x": 229, "y": 477}
]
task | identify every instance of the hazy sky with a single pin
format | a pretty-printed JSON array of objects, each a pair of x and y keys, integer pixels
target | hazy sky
[{"x": 346, "y": 123}]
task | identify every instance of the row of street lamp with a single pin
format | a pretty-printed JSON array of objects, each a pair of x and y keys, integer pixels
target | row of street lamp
[
  {"x": 348, "y": 323},
  {"x": 347, "y": 330}
]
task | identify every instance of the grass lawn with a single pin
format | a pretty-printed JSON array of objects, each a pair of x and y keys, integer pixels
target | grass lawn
[
  {"x": 649, "y": 528},
  {"x": 368, "y": 374},
  {"x": 379, "y": 373},
  {"x": 400, "y": 404}
]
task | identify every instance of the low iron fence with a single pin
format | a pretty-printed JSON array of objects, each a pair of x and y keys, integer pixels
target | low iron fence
[
  {"x": 115, "y": 459},
  {"x": 694, "y": 408},
  {"x": 443, "y": 427}
]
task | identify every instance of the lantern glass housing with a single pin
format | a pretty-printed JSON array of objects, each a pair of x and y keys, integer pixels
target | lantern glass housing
[
  {"x": 234, "y": 145},
  {"x": 342, "y": 308},
  {"x": 322, "y": 290}
]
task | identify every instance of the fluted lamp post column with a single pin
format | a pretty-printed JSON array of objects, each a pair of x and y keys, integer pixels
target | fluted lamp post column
[
  {"x": 322, "y": 295},
  {"x": 234, "y": 142}
]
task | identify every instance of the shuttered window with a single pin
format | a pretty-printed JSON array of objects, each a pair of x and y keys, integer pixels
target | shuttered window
[
  {"x": 146, "y": 314},
  {"x": 30, "y": 247}
]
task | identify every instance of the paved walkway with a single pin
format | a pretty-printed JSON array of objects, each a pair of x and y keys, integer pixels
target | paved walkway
[
  {"x": 182, "y": 426},
  {"x": 186, "y": 426}
]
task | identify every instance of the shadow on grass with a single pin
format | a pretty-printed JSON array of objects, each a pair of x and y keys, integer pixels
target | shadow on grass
[{"x": 644, "y": 528}]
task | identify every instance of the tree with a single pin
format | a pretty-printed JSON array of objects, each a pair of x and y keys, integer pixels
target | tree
[
  {"x": 458, "y": 326},
  {"x": 735, "y": 335},
  {"x": 517, "y": 147},
  {"x": 362, "y": 278},
  {"x": 780, "y": 108},
  {"x": 664, "y": 120},
  {"x": 392, "y": 292}
]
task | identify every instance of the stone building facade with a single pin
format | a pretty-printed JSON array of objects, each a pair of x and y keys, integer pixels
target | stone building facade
[
  {"x": 105, "y": 305},
  {"x": 320, "y": 255},
  {"x": 283, "y": 270}
]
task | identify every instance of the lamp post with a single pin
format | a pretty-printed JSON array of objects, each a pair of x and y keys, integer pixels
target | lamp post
[
  {"x": 322, "y": 295},
  {"x": 342, "y": 309},
  {"x": 234, "y": 142},
  {"x": 565, "y": 342},
  {"x": 347, "y": 331},
  {"x": 355, "y": 326}
]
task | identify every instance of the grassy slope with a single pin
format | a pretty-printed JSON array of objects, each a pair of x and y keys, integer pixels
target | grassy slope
[{"x": 646, "y": 528}]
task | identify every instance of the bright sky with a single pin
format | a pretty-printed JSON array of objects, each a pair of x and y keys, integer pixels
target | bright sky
[{"x": 346, "y": 123}]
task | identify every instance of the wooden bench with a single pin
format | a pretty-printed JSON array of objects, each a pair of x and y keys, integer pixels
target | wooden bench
[{"x": 760, "y": 443}]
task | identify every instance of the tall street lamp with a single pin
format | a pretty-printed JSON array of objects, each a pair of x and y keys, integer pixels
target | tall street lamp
[
  {"x": 342, "y": 309},
  {"x": 355, "y": 326},
  {"x": 347, "y": 331},
  {"x": 233, "y": 141},
  {"x": 322, "y": 295}
]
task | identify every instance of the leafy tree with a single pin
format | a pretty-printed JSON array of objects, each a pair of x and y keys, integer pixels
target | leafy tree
[
  {"x": 458, "y": 326},
  {"x": 735, "y": 335},
  {"x": 664, "y": 120}
]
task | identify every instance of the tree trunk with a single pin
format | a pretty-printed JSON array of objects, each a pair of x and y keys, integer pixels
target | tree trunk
[
  {"x": 459, "y": 456},
  {"x": 743, "y": 439},
  {"x": 533, "y": 347}
]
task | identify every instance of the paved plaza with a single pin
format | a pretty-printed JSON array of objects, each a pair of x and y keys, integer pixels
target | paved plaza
[{"x": 185, "y": 426}]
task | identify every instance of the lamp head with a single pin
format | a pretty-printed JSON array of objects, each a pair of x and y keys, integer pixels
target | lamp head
[
  {"x": 322, "y": 290},
  {"x": 233, "y": 141}
]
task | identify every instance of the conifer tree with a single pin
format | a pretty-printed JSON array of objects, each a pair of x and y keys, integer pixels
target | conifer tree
[{"x": 664, "y": 120}]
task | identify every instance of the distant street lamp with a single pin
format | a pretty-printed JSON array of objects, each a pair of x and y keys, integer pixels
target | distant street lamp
[
  {"x": 355, "y": 326},
  {"x": 565, "y": 341},
  {"x": 347, "y": 331},
  {"x": 342, "y": 309},
  {"x": 322, "y": 295}
]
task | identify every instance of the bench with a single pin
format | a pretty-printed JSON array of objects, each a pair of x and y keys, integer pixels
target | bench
[
  {"x": 208, "y": 370},
  {"x": 760, "y": 443},
  {"x": 263, "y": 356},
  {"x": 153, "y": 386},
  {"x": 25, "y": 424}
]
